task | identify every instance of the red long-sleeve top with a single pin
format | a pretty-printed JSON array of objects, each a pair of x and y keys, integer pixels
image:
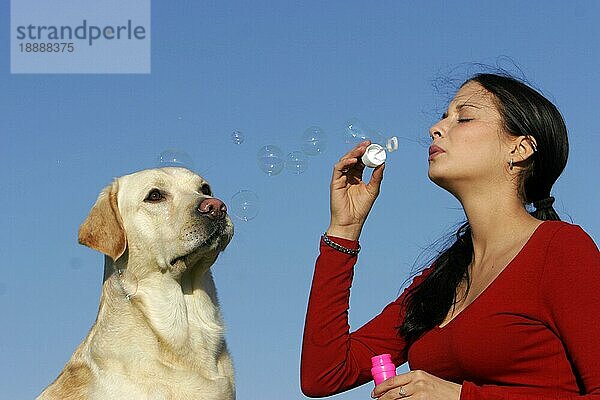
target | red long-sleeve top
[{"x": 534, "y": 333}]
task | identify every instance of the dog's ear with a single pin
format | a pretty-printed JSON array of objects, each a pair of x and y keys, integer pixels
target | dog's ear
[{"x": 103, "y": 229}]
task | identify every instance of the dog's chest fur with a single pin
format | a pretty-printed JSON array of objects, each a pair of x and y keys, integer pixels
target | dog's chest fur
[{"x": 179, "y": 350}]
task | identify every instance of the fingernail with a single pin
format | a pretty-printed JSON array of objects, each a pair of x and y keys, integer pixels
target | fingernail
[{"x": 373, "y": 393}]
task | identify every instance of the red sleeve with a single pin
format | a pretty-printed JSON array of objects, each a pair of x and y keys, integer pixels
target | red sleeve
[
  {"x": 570, "y": 290},
  {"x": 333, "y": 359}
]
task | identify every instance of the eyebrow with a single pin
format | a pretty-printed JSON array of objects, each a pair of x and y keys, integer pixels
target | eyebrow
[
  {"x": 467, "y": 105},
  {"x": 445, "y": 115}
]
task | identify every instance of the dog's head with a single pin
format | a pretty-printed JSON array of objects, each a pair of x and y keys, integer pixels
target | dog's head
[{"x": 166, "y": 218}]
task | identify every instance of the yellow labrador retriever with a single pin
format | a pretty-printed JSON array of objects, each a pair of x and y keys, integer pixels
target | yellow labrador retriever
[{"x": 159, "y": 331}]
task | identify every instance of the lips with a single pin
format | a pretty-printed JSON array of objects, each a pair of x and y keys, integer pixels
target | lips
[{"x": 434, "y": 151}]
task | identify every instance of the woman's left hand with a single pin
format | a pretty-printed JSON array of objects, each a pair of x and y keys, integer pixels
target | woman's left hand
[{"x": 417, "y": 385}]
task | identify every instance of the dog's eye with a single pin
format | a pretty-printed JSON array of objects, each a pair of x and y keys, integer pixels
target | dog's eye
[
  {"x": 154, "y": 196},
  {"x": 205, "y": 189}
]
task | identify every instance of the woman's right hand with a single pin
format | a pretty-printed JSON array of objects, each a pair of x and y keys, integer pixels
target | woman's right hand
[{"x": 351, "y": 198}]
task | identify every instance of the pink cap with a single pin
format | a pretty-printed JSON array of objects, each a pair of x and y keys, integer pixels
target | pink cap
[
  {"x": 382, "y": 368},
  {"x": 381, "y": 359}
]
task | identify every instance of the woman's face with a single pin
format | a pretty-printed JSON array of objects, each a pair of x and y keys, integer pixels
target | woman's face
[{"x": 469, "y": 149}]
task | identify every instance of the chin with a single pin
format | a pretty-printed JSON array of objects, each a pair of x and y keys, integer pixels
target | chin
[
  {"x": 441, "y": 180},
  {"x": 434, "y": 176}
]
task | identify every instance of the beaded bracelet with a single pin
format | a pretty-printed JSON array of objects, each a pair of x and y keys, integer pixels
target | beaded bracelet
[{"x": 339, "y": 247}]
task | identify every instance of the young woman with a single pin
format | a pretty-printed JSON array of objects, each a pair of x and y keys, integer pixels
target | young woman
[{"x": 511, "y": 310}]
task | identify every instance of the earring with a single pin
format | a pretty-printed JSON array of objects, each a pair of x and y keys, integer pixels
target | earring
[{"x": 510, "y": 164}]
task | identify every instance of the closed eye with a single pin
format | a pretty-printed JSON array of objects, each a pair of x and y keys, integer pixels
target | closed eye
[{"x": 465, "y": 119}]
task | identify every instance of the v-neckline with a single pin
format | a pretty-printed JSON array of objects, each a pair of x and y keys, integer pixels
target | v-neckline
[{"x": 489, "y": 286}]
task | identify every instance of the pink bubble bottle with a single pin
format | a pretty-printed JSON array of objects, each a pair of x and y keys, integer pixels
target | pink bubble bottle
[{"x": 382, "y": 368}]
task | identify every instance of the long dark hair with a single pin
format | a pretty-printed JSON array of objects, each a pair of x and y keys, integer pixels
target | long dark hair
[{"x": 524, "y": 111}]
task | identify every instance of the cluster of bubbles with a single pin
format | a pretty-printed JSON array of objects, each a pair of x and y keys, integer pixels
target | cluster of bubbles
[{"x": 272, "y": 161}]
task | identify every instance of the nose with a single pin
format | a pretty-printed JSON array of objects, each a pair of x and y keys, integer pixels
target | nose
[
  {"x": 435, "y": 131},
  {"x": 213, "y": 208},
  {"x": 440, "y": 128}
]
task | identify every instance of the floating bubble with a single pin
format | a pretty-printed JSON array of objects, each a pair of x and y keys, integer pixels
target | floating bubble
[
  {"x": 237, "y": 137},
  {"x": 388, "y": 143},
  {"x": 314, "y": 141},
  {"x": 356, "y": 131},
  {"x": 377, "y": 137},
  {"x": 391, "y": 144},
  {"x": 270, "y": 159},
  {"x": 244, "y": 205},
  {"x": 179, "y": 117},
  {"x": 175, "y": 158},
  {"x": 296, "y": 162}
]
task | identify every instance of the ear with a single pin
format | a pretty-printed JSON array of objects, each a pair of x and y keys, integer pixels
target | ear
[
  {"x": 103, "y": 229},
  {"x": 524, "y": 147}
]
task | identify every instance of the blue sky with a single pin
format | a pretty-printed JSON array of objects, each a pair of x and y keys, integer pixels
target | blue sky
[{"x": 269, "y": 70}]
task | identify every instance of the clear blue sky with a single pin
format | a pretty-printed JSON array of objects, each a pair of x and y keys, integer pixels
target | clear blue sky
[{"x": 269, "y": 70}]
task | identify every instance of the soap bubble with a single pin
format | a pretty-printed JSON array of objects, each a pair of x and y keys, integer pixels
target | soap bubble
[
  {"x": 356, "y": 131},
  {"x": 270, "y": 159},
  {"x": 175, "y": 158},
  {"x": 237, "y": 137},
  {"x": 314, "y": 141},
  {"x": 244, "y": 205},
  {"x": 377, "y": 137},
  {"x": 296, "y": 162},
  {"x": 391, "y": 144}
]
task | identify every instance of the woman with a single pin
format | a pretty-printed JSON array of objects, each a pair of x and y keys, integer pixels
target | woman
[{"x": 511, "y": 310}]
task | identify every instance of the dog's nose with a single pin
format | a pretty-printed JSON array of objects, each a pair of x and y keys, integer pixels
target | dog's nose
[{"x": 213, "y": 208}]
